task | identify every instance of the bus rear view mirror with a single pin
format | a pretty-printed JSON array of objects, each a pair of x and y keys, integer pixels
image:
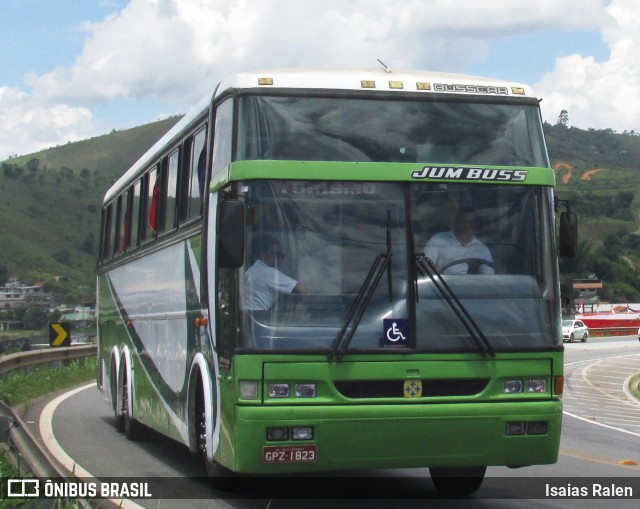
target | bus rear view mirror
[
  {"x": 231, "y": 235},
  {"x": 568, "y": 235}
]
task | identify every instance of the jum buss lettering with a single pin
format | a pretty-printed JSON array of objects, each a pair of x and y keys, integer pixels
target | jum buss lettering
[{"x": 464, "y": 173}]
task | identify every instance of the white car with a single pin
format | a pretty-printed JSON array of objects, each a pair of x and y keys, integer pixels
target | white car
[{"x": 574, "y": 329}]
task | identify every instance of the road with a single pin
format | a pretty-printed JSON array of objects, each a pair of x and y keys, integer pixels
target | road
[{"x": 600, "y": 443}]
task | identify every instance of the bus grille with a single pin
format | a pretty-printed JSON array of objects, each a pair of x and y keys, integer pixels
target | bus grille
[{"x": 395, "y": 388}]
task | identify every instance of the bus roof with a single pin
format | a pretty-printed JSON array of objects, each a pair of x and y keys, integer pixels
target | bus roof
[
  {"x": 380, "y": 79},
  {"x": 373, "y": 79},
  {"x": 159, "y": 147}
]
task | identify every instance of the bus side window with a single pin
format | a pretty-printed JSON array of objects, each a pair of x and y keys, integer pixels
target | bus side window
[
  {"x": 222, "y": 138},
  {"x": 195, "y": 176},
  {"x": 135, "y": 214},
  {"x": 122, "y": 227},
  {"x": 171, "y": 194},
  {"x": 107, "y": 233},
  {"x": 192, "y": 177},
  {"x": 152, "y": 206}
]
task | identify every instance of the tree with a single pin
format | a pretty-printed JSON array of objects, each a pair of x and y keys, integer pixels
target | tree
[
  {"x": 563, "y": 118},
  {"x": 33, "y": 165},
  {"x": 88, "y": 244},
  {"x": 35, "y": 318}
]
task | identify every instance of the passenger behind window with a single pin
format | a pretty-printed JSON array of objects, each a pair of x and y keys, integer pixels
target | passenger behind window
[{"x": 153, "y": 209}]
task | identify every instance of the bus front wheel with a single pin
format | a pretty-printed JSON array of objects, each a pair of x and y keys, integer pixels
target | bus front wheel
[
  {"x": 220, "y": 477},
  {"x": 460, "y": 481}
]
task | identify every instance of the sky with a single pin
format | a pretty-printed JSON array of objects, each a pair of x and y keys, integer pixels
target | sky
[{"x": 74, "y": 69}]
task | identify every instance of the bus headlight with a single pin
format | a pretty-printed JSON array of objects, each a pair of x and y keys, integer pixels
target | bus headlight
[
  {"x": 305, "y": 390},
  {"x": 277, "y": 434},
  {"x": 279, "y": 390},
  {"x": 537, "y": 428},
  {"x": 515, "y": 428},
  {"x": 302, "y": 433},
  {"x": 537, "y": 385},
  {"x": 512, "y": 386}
]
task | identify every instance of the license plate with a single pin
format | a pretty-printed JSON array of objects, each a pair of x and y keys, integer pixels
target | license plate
[{"x": 289, "y": 454}]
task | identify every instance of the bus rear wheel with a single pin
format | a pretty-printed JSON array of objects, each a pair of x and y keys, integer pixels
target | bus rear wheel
[
  {"x": 118, "y": 415},
  {"x": 132, "y": 428},
  {"x": 460, "y": 481}
]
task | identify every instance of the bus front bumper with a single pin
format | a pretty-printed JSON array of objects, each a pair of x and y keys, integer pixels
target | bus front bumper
[{"x": 396, "y": 436}]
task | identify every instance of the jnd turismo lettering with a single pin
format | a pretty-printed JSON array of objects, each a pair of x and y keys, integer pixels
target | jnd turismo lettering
[{"x": 462, "y": 173}]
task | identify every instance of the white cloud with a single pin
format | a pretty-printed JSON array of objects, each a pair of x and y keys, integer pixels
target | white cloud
[
  {"x": 174, "y": 51},
  {"x": 26, "y": 125},
  {"x": 600, "y": 94}
]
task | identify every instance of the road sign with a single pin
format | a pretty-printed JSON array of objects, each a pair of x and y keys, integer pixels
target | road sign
[{"x": 59, "y": 334}]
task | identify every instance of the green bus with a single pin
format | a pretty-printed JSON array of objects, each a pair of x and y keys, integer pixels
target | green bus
[{"x": 328, "y": 270}]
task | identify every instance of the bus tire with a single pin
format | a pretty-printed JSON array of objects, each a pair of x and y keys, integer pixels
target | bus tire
[
  {"x": 115, "y": 391},
  {"x": 457, "y": 481},
  {"x": 130, "y": 427},
  {"x": 220, "y": 477}
]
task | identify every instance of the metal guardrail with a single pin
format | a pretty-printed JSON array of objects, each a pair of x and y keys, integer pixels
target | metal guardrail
[
  {"x": 38, "y": 459},
  {"x": 20, "y": 360}
]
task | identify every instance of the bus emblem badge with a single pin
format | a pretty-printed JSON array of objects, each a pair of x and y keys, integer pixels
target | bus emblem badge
[{"x": 412, "y": 389}]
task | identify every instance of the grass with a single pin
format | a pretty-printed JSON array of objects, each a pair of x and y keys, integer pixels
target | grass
[
  {"x": 21, "y": 333},
  {"x": 20, "y": 387},
  {"x": 634, "y": 386},
  {"x": 8, "y": 471}
]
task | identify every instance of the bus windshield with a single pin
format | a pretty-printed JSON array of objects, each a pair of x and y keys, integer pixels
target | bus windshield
[
  {"x": 403, "y": 129},
  {"x": 326, "y": 259}
]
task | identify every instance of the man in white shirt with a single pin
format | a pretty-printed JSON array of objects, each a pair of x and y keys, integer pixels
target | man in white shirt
[
  {"x": 445, "y": 248},
  {"x": 263, "y": 281}
]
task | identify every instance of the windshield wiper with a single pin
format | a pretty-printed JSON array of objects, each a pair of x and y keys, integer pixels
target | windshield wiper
[
  {"x": 426, "y": 267},
  {"x": 359, "y": 306}
]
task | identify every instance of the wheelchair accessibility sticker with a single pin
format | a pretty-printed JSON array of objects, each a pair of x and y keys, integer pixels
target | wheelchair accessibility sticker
[{"x": 396, "y": 332}]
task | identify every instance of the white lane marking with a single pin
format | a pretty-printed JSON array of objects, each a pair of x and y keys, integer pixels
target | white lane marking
[
  {"x": 50, "y": 442},
  {"x": 617, "y": 357}
]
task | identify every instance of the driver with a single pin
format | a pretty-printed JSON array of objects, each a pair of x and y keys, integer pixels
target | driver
[
  {"x": 460, "y": 244},
  {"x": 263, "y": 279}
]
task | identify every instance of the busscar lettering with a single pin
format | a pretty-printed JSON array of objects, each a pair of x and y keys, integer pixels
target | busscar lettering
[
  {"x": 470, "y": 89},
  {"x": 470, "y": 173}
]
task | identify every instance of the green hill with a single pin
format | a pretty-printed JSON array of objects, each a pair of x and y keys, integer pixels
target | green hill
[
  {"x": 99, "y": 153},
  {"x": 599, "y": 171},
  {"x": 50, "y": 205}
]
